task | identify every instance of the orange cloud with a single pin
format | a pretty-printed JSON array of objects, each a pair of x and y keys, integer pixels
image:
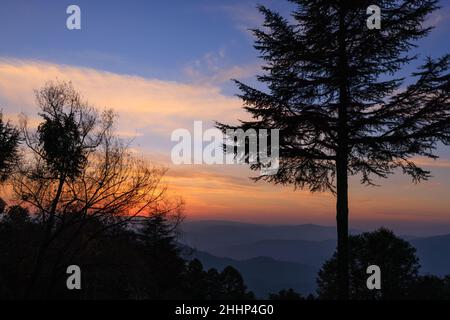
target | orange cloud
[
  {"x": 144, "y": 105},
  {"x": 427, "y": 162}
]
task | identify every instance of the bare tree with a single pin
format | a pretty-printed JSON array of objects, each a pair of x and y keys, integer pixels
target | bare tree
[{"x": 75, "y": 170}]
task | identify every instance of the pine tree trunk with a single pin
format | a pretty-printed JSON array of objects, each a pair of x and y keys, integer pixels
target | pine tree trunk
[
  {"x": 342, "y": 227},
  {"x": 342, "y": 163}
]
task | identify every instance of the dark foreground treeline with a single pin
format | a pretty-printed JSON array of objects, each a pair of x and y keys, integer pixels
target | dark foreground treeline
[
  {"x": 121, "y": 263},
  {"x": 144, "y": 261}
]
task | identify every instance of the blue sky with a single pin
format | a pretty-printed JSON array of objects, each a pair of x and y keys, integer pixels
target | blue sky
[
  {"x": 157, "y": 39},
  {"x": 147, "y": 38}
]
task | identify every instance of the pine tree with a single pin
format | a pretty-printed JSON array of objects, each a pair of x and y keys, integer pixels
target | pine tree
[{"x": 332, "y": 87}]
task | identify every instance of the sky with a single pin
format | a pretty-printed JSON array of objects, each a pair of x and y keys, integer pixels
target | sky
[{"x": 161, "y": 65}]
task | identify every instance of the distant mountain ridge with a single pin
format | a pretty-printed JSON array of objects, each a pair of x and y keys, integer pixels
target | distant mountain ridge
[
  {"x": 434, "y": 254},
  {"x": 313, "y": 253},
  {"x": 209, "y": 234},
  {"x": 293, "y": 253}
]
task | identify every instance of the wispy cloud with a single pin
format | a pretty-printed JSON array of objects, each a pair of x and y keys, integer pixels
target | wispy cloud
[
  {"x": 145, "y": 106},
  {"x": 224, "y": 75},
  {"x": 245, "y": 16},
  {"x": 439, "y": 17},
  {"x": 212, "y": 69}
]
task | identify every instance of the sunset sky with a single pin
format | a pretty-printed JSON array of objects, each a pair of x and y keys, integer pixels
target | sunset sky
[{"x": 161, "y": 65}]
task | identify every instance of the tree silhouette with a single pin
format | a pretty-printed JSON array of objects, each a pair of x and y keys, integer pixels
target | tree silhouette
[
  {"x": 86, "y": 199},
  {"x": 395, "y": 257},
  {"x": 161, "y": 253},
  {"x": 9, "y": 143},
  {"x": 232, "y": 285},
  {"x": 214, "y": 285},
  {"x": 77, "y": 174},
  {"x": 18, "y": 236},
  {"x": 331, "y": 86},
  {"x": 70, "y": 130}
]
